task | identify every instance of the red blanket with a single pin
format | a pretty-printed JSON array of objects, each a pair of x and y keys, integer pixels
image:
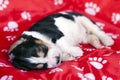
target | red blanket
[{"x": 17, "y": 16}]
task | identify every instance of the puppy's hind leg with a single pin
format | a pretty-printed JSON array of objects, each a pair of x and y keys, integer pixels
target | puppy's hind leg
[{"x": 92, "y": 28}]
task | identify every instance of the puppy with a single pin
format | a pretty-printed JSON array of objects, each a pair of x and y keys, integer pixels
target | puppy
[{"x": 54, "y": 39}]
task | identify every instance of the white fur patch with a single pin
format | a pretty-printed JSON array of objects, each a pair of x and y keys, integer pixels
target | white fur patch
[
  {"x": 37, "y": 60},
  {"x": 39, "y": 36},
  {"x": 36, "y": 35}
]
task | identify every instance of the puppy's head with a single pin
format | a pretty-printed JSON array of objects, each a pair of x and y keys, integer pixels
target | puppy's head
[{"x": 29, "y": 54}]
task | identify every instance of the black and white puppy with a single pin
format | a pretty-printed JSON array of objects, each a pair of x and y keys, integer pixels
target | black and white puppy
[{"x": 54, "y": 39}]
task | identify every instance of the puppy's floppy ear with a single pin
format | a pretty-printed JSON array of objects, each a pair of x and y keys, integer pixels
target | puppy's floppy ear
[
  {"x": 16, "y": 44},
  {"x": 23, "y": 64},
  {"x": 17, "y": 64}
]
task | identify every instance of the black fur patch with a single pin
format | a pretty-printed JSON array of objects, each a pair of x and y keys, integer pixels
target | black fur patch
[
  {"x": 22, "y": 63},
  {"x": 48, "y": 28}
]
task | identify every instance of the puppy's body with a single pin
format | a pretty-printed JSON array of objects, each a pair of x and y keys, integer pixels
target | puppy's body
[{"x": 54, "y": 39}]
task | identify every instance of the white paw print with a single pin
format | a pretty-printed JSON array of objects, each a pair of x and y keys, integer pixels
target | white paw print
[
  {"x": 97, "y": 62},
  {"x": 55, "y": 70},
  {"x": 3, "y": 4},
  {"x": 106, "y": 78},
  {"x": 6, "y": 77},
  {"x": 11, "y": 26},
  {"x": 87, "y": 76},
  {"x": 26, "y": 15},
  {"x": 91, "y": 8},
  {"x": 10, "y": 38},
  {"x": 57, "y": 2},
  {"x": 115, "y": 18}
]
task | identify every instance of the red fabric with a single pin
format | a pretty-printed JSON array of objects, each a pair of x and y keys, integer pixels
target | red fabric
[{"x": 96, "y": 64}]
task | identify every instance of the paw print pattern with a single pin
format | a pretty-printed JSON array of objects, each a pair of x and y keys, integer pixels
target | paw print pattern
[
  {"x": 55, "y": 70},
  {"x": 3, "y": 4},
  {"x": 87, "y": 76},
  {"x": 6, "y": 77},
  {"x": 57, "y": 2},
  {"x": 106, "y": 78},
  {"x": 91, "y": 8},
  {"x": 11, "y": 27},
  {"x": 115, "y": 18},
  {"x": 10, "y": 38},
  {"x": 26, "y": 15},
  {"x": 97, "y": 62}
]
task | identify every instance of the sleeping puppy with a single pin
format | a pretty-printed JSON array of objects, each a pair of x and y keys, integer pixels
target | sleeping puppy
[{"x": 54, "y": 39}]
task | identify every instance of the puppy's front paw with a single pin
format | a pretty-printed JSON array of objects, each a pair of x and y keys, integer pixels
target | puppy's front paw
[
  {"x": 107, "y": 40},
  {"x": 67, "y": 57},
  {"x": 72, "y": 53},
  {"x": 76, "y": 52}
]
